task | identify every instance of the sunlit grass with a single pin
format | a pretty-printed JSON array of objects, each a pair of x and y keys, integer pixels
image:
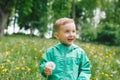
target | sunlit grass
[{"x": 20, "y": 55}]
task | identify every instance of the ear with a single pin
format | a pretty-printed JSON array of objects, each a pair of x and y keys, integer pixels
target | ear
[{"x": 56, "y": 35}]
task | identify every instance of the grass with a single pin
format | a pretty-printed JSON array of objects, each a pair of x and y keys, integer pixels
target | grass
[{"x": 20, "y": 56}]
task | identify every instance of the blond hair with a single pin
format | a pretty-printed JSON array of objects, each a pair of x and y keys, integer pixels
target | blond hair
[{"x": 62, "y": 21}]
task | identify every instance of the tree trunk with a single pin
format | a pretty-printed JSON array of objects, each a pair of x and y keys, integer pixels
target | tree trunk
[
  {"x": 74, "y": 13},
  {"x": 73, "y": 9},
  {"x": 31, "y": 32},
  {"x": 3, "y": 22}
]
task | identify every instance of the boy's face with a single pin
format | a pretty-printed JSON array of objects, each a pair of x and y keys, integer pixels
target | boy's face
[{"x": 66, "y": 33}]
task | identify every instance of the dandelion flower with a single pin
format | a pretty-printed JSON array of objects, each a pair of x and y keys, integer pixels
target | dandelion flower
[
  {"x": 29, "y": 69},
  {"x": 35, "y": 49},
  {"x": 7, "y": 60},
  {"x": 17, "y": 68},
  {"x": 106, "y": 63},
  {"x": 107, "y": 75},
  {"x": 50, "y": 65},
  {"x": 106, "y": 56},
  {"x": 2, "y": 67},
  {"x": 5, "y": 70},
  {"x": 7, "y": 53},
  {"x": 101, "y": 59},
  {"x": 23, "y": 68}
]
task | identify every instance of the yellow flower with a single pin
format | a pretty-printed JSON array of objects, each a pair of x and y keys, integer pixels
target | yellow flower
[
  {"x": 106, "y": 56},
  {"x": 23, "y": 68},
  {"x": 2, "y": 67},
  {"x": 7, "y": 60},
  {"x": 101, "y": 58},
  {"x": 106, "y": 63},
  {"x": 110, "y": 55},
  {"x": 17, "y": 68},
  {"x": 35, "y": 49},
  {"x": 5, "y": 70},
  {"x": 7, "y": 53},
  {"x": 107, "y": 75},
  {"x": 29, "y": 69}
]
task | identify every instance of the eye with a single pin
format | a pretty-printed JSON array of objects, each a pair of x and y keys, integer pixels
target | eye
[
  {"x": 67, "y": 31},
  {"x": 73, "y": 31}
]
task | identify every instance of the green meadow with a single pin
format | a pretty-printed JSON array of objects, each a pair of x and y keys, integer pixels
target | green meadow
[{"x": 20, "y": 56}]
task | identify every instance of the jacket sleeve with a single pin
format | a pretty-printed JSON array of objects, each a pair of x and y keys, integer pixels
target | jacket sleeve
[
  {"x": 84, "y": 68},
  {"x": 42, "y": 62}
]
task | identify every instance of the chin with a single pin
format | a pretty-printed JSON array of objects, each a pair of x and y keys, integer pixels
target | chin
[{"x": 69, "y": 44}]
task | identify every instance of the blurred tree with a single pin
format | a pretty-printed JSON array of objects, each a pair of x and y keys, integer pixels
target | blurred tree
[
  {"x": 33, "y": 17},
  {"x": 112, "y": 10},
  {"x": 117, "y": 12},
  {"x": 24, "y": 9},
  {"x": 31, "y": 14},
  {"x": 117, "y": 39},
  {"x": 107, "y": 33},
  {"x": 84, "y": 17},
  {"x": 84, "y": 10},
  {"x": 61, "y": 8},
  {"x": 73, "y": 9},
  {"x": 88, "y": 32},
  {"x": 6, "y": 7},
  {"x": 41, "y": 13}
]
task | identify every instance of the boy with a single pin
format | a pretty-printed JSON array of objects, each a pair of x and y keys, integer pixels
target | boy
[{"x": 70, "y": 60}]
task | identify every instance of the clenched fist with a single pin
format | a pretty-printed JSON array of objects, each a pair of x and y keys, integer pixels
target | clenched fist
[{"x": 47, "y": 71}]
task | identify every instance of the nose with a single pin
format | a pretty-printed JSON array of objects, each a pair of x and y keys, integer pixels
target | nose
[{"x": 72, "y": 34}]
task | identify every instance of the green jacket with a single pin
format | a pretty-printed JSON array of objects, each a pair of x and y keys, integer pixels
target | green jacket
[{"x": 71, "y": 63}]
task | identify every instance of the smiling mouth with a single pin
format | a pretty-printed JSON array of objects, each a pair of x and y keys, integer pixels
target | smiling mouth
[{"x": 70, "y": 40}]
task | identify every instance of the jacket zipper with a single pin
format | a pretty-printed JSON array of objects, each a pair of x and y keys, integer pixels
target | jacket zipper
[{"x": 65, "y": 63}]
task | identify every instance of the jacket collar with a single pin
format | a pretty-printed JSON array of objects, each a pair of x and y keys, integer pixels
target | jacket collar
[{"x": 62, "y": 46}]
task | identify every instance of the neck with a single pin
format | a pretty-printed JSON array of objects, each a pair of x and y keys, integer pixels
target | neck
[{"x": 67, "y": 46}]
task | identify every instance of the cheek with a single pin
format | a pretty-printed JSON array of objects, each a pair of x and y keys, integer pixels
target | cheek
[
  {"x": 66, "y": 35},
  {"x": 75, "y": 35}
]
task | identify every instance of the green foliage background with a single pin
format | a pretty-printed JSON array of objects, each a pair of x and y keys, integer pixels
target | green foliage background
[{"x": 40, "y": 14}]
